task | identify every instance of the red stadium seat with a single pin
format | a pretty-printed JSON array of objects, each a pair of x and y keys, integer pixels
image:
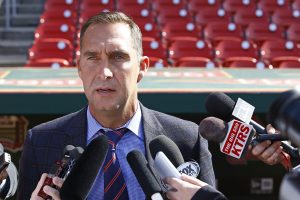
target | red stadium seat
[
  {"x": 262, "y": 31},
  {"x": 290, "y": 64},
  {"x": 149, "y": 28},
  {"x": 195, "y": 62},
  {"x": 218, "y": 31},
  {"x": 293, "y": 32},
  {"x": 296, "y": 5},
  {"x": 158, "y": 62},
  {"x": 61, "y": 4},
  {"x": 128, "y": 4},
  {"x": 48, "y": 62},
  {"x": 190, "y": 51},
  {"x": 179, "y": 30},
  {"x": 210, "y": 15},
  {"x": 107, "y": 4},
  {"x": 55, "y": 30},
  {"x": 285, "y": 17},
  {"x": 59, "y": 15},
  {"x": 52, "y": 48},
  {"x": 228, "y": 51},
  {"x": 252, "y": 63},
  {"x": 89, "y": 12},
  {"x": 278, "y": 51},
  {"x": 165, "y": 5},
  {"x": 231, "y": 6},
  {"x": 195, "y": 6},
  {"x": 244, "y": 17},
  {"x": 174, "y": 14},
  {"x": 154, "y": 48},
  {"x": 136, "y": 11},
  {"x": 269, "y": 6}
]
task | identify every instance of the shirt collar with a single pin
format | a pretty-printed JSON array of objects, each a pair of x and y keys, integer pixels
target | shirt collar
[{"x": 134, "y": 124}]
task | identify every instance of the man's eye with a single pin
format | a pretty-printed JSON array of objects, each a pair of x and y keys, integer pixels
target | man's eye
[
  {"x": 91, "y": 58},
  {"x": 118, "y": 56}
]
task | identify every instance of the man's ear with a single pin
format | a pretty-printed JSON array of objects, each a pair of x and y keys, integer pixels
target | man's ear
[{"x": 144, "y": 65}]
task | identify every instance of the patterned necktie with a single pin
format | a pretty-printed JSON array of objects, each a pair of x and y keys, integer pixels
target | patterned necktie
[{"x": 114, "y": 184}]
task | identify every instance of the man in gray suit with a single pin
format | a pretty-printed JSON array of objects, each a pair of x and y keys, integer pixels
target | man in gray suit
[{"x": 111, "y": 64}]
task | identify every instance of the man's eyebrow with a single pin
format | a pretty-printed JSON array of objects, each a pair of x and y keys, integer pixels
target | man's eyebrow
[
  {"x": 118, "y": 51},
  {"x": 89, "y": 53}
]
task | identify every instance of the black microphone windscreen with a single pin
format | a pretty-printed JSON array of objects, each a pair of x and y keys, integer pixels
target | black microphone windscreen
[
  {"x": 278, "y": 104},
  {"x": 213, "y": 129},
  {"x": 82, "y": 176},
  {"x": 219, "y": 105},
  {"x": 68, "y": 148},
  {"x": 76, "y": 152},
  {"x": 140, "y": 168},
  {"x": 168, "y": 147}
]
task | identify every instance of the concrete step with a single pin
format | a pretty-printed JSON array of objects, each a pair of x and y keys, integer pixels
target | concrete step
[
  {"x": 8, "y": 47},
  {"x": 30, "y": 8},
  {"x": 31, "y": 20},
  {"x": 26, "y": 33},
  {"x": 33, "y": 1},
  {"x": 13, "y": 60}
]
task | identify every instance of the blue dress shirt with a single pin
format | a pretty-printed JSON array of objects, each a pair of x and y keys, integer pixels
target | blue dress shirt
[{"x": 133, "y": 140}]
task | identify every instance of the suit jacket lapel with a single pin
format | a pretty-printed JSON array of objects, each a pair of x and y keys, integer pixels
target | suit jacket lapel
[
  {"x": 152, "y": 128},
  {"x": 76, "y": 132}
]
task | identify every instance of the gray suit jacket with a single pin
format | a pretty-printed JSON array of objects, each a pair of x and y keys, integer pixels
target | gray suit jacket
[{"x": 44, "y": 144}]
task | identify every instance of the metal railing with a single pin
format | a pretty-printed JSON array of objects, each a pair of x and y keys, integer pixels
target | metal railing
[{"x": 10, "y": 11}]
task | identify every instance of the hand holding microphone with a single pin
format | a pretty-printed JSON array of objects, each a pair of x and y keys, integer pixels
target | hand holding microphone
[
  {"x": 61, "y": 168},
  {"x": 184, "y": 188},
  {"x": 51, "y": 192},
  {"x": 222, "y": 106},
  {"x": 181, "y": 186},
  {"x": 233, "y": 140},
  {"x": 269, "y": 152}
]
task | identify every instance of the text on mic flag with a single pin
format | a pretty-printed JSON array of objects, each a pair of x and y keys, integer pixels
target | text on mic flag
[{"x": 236, "y": 139}]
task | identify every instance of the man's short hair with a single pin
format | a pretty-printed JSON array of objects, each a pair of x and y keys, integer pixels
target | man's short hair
[{"x": 116, "y": 17}]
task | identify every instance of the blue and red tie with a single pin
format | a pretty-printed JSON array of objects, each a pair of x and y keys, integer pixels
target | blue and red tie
[{"x": 114, "y": 184}]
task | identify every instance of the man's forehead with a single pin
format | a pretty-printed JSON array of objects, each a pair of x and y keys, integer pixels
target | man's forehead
[{"x": 116, "y": 34}]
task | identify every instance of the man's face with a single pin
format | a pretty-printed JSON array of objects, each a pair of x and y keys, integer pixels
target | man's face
[{"x": 109, "y": 68}]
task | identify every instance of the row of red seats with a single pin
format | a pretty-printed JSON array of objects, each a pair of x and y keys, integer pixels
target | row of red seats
[
  {"x": 193, "y": 52},
  {"x": 186, "y": 27},
  {"x": 62, "y": 19},
  {"x": 193, "y": 5},
  {"x": 226, "y": 53}
]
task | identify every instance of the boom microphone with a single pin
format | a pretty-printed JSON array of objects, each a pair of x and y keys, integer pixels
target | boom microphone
[
  {"x": 222, "y": 106},
  {"x": 82, "y": 176},
  {"x": 146, "y": 179}
]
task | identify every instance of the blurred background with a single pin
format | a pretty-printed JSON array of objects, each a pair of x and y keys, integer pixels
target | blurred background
[{"x": 245, "y": 48}]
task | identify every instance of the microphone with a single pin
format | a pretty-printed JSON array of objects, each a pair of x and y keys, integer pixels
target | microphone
[
  {"x": 61, "y": 168},
  {"x": 144, "y": 175},
  {"x": 222, "y": 106},
  {"x": 219, "y": 105},
  {"x": 164, "y": 167},
  {"x": 83, "y": 174},
  {"x": 234, "y": 137},
  {"x": 8, "y": 183},
  {"x": 8, "y": 186},
  {"x": 168, "y": 147},
  {"x": 171, "y": 151}
]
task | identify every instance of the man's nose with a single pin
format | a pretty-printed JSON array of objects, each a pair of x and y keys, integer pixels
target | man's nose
[{"x": 107, "y": 73}]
